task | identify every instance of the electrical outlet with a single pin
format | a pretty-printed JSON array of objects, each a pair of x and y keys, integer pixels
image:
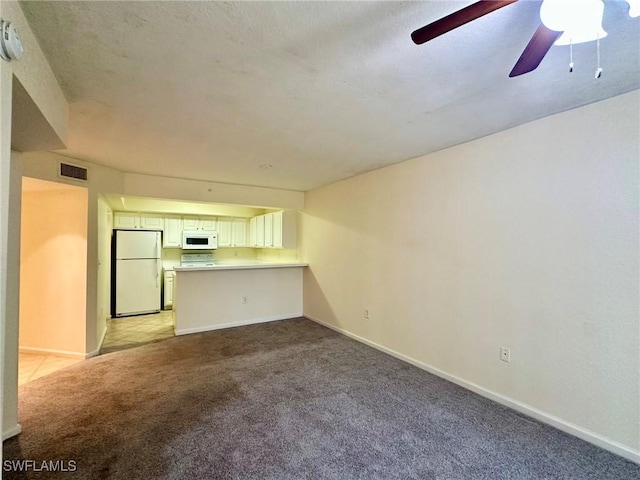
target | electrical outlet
[
  {"x": 244, "y": 300},
  {"x": 505, "y": 354},
  {"x": 367, "y": 313}
]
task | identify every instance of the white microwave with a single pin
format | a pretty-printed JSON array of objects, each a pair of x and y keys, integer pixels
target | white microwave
[{"x": 199, "y": 240}]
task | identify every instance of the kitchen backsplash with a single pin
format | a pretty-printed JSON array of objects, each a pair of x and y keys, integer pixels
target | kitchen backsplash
[
  {"x": 171, "y": 256},
  {"x": 278, "y": 255}
]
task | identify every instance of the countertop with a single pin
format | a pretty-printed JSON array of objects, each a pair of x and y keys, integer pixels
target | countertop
[{"x": 241, "y": 265}]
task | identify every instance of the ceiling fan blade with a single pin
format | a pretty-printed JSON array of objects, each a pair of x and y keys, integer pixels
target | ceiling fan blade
[
  {"x": 457, "y": 19},
  {"x": 535, "y": 50}
]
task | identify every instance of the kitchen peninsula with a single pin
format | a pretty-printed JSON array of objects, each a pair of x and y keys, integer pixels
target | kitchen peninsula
[{"x": 234, "y": 293}]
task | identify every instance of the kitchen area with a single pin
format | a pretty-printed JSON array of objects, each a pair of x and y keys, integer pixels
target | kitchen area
[{"x": 195, "y": 272}]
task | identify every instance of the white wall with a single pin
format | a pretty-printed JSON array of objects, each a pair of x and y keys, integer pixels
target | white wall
[
  {"x": 208, "y": 300},
  {"x": 53, "y": 269},
  {"x": 105, "y": 229},
  {"x": 44, "y": 165},
  {"x": 5, "y": 169},
  {"x": 40, "y": 85},
  {"x": 35, "y": 74},
  {"x": 527, "y": 239},
  {"x": 12, "y": 301}
]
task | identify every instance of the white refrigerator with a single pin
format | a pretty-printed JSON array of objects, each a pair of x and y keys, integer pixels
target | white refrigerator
[{"x": 138, "y": 266}]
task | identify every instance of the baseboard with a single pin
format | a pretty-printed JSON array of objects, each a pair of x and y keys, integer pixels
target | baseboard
[
  {"x": 11, "y": 432},
  {"x": 96, "y": 352},
  {"x": 540, "y": 415},
  {"x": 49, "y": 351},
  {"x": 242, "y": 323}
]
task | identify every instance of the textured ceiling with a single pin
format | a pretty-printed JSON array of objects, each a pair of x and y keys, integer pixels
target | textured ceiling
[{"x": 320, "y": 90}]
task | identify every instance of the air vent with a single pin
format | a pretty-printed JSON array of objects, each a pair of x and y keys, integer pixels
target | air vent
[{"x": 72, "y": 171}]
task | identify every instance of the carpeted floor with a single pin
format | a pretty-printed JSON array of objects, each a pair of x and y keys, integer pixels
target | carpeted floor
[{"x": 282, "y": 400}]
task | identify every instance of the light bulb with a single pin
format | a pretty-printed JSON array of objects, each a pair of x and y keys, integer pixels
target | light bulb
[{"x": 579, "y": 20}]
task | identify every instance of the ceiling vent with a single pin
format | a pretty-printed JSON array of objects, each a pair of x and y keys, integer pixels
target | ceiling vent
[{"x": 66, "y": 170}]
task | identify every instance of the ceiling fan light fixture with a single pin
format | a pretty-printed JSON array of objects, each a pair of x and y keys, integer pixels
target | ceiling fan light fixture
[
  {"x": 579, "y": 20},
  {"x": 634, "y": 8}
]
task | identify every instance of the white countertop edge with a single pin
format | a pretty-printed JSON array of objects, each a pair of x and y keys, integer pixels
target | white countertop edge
[{"x": 240, "y": 267}]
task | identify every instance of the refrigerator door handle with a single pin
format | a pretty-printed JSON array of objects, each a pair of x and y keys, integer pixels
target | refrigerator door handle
[{"x": 158, "y": 255}]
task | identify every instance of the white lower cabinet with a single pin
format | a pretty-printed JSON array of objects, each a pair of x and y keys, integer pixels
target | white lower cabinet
[{"x": 169, "y": 277}]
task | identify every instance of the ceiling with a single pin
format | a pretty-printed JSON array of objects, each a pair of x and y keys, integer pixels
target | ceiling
[
  {"x": 121, "y": 203},
  {"x": 319, "y": 90}
]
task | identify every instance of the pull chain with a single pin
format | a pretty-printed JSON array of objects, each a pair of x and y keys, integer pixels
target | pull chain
[
  {"x": 570, "y": 56},
  {"x": 599, "y": 69}
]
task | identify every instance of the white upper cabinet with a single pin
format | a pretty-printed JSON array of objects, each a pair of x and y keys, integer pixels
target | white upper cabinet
[
  {"x": 224, "y": 232},
  {"x": 190, "y": 223},
  {"x": 232, "y": 232},
  {"x": 274, "y": 230},
  {"x": 240, "y": 232},
  {"x": 172, "y": 236},
  {"x": 137, "y": 221},
  {"x": 253, "y": 232},
  {"x": 268, "y": 230},
  {"x": 150, "y": 221},
  {"x": 126, "y": 220},
  {"x": 208, "y": 224},
  {"x": 277, "y": 229},
  {"x": 256, "y": 232}
]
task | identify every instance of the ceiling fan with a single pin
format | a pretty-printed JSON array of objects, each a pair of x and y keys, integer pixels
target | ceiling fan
[{"x": 544, "y": 37}]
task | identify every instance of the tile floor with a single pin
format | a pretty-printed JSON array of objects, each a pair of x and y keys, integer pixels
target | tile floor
[
  {"x": 122, "y": 333},
  {"x": 36, "y": 365},
  {"x": 129, "y": 332}
]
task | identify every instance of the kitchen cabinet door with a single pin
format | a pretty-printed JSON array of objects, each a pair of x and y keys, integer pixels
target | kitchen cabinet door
[
  {"x": 207, "y": 224},
  {"x": 149, "y": 221},
  {"x": 190, "y": 223},
  {"x": 126, "y": 221},
  {"x": 225, "y": 232},
  {"x": 253, "y": 234},
  {"x": 259, "y": 232},
  {"x": 277, "y": 229},
  {"x": 281, "y": 229},
  {"x": 268, "y": 230},
  {"x": 168, "y": 288},
  {"x": 239, "y": 232},
  {"x": 172, "y": 236}
]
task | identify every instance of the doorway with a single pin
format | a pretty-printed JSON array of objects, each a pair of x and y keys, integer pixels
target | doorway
[{"x": 53, "y": 277}]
